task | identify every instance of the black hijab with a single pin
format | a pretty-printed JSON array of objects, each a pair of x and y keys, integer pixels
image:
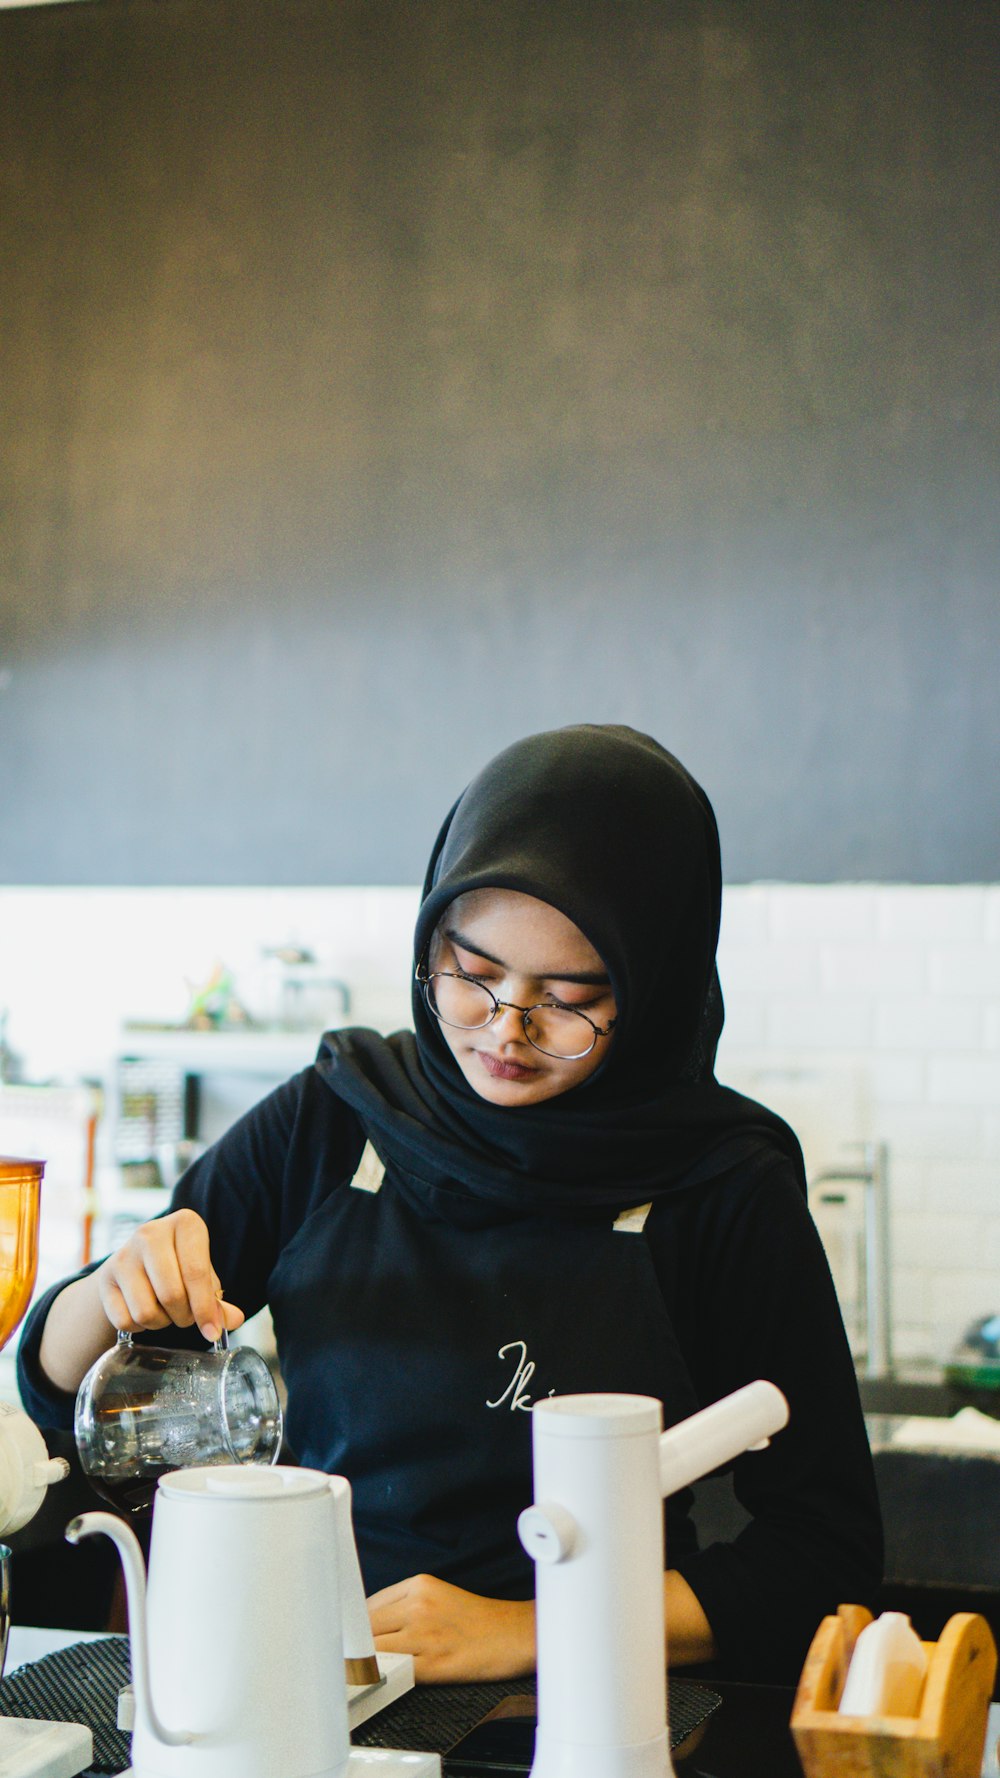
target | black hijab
[{"x": 609, "y": 828}]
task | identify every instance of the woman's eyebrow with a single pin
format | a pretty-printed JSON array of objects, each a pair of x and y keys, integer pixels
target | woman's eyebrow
[{"x": 584, "y": 978}]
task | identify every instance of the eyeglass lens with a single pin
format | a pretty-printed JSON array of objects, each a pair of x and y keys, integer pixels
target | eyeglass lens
[{"x": 555, "y": 1030}]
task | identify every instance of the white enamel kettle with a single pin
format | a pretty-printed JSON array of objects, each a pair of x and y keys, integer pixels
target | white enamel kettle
[{"x": 238, "y": 1636}]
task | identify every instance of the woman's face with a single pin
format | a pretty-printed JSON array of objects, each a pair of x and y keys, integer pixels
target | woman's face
[{"x": 530, "y": 954}]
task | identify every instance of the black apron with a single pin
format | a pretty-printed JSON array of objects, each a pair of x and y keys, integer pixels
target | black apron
[{"x": 412, "y": 1351}]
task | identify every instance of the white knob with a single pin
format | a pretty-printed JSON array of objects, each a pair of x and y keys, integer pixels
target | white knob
[
  {"x": 26, "y": 1469},
  {"x": 56, "y": 1469},
  {"x": 547, "y": 1532}
]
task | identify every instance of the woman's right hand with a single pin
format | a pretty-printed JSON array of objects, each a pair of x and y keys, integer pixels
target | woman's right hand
[{"x": 163, "y": 1276}]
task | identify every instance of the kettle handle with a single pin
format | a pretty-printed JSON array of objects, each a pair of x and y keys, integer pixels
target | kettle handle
[{"x": 90, "y": 1525}]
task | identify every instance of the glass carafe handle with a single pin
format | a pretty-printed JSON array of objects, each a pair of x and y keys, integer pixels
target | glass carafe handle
[{"x": 219, "y": 1345}]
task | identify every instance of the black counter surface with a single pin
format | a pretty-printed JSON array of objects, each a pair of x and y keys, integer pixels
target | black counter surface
[{"x": 746, "y": 1736}]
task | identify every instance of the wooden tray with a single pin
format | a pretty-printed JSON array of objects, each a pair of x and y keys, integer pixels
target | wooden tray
[{"x": 944, "y": 1740}]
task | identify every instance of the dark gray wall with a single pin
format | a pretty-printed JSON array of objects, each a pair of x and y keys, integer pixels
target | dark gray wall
[{"x": 385, "y": 380}]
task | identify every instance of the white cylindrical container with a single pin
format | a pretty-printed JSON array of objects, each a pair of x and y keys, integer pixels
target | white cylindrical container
[
  {"x": 596, "y": 1535},
  {"x": 243, "y": 1622},
  {"x": 887, "y": 1671}
]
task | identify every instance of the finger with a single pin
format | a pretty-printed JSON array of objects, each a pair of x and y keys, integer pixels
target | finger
[
  {"x": 386, "y": 1595},
  {"x": 202, "y": 1285},
  {"x": 115, "y": 1307},
  {"x": 395, "y": 1642},
  {"x": 232, "y": 1316},
  {"x": 129, "y": 1301},
  {"x": 387, "y": 1617},
  {"x": 163, "y": 1270}
]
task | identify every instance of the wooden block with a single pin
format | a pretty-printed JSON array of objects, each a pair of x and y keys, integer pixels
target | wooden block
[
  {"x": 829, "y": 1656},
  {"x": 957, "y": 1692}
]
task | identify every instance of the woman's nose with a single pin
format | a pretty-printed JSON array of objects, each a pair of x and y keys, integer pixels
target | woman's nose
[{"x": 509, "y": 1021}]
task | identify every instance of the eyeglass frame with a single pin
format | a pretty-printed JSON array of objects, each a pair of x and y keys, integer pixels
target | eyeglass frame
[{"x": 423, "y": 980}]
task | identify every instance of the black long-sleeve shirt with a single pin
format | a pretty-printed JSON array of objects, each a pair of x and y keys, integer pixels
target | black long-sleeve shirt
[{"x": 412, "y": 1350}]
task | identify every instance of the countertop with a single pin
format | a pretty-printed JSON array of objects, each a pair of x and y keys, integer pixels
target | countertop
[{"x": 746, "y": 1737}]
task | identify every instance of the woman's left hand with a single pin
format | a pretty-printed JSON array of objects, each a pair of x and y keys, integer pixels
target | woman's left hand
[{"x": 453, "y": 1635}]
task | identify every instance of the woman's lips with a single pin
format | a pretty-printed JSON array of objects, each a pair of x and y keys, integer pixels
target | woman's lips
[{"x": 504, "y": 1070}]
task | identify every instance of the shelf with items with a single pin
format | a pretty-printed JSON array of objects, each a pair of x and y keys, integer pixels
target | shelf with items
[
  {"x": 259, "y": 1049},
  {"x": 171, "y": 1092}
]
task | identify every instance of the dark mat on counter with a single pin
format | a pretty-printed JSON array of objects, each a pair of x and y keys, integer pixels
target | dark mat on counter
[
  {"x": 76, "y": 1684},
  {"x": 81, "y": 1684},
  {"x": 431, "y": 1718}
]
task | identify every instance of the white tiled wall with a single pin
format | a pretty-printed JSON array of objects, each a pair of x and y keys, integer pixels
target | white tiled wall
[
  {"x": 865, "y": 1012},
  {"x": 891, "y": 996}
]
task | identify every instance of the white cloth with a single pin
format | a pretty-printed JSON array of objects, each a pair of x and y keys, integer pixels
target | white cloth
[{"x": 968, "y": 1430}]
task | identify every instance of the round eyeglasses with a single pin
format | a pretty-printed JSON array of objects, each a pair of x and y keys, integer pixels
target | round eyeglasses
[{"x": 466, "y": 1004}]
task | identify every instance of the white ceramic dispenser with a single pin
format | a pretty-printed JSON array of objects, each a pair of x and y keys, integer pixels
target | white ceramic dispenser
[{"x": 602, "y": 1468}]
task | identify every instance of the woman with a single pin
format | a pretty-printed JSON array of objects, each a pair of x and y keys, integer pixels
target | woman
[{"x": 569, "y": 1202}]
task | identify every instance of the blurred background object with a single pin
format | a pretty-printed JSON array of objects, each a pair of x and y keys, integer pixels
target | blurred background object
[
  {"x": 973, "y": 1370},
  {"x": 59, "y": 1124}
]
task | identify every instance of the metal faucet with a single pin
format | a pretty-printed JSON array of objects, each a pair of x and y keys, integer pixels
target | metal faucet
[
  {"x": 342, "y": 990},
  {"x": 873, "y": 1175}
]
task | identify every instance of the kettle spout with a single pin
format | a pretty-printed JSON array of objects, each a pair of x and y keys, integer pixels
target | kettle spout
[{"x": 105, "y": 1524}]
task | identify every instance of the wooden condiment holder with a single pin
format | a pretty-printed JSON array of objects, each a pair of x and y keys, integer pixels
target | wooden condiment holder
[{"x": 945, "y": 1739}]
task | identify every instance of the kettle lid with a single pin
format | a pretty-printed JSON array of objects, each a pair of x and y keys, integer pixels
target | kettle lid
[{"x": 243, "y": 1481}]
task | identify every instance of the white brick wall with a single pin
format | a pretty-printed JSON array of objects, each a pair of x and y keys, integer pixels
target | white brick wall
[
  {"x": 866, "y": 1012},
  {"x": 899, "y": 986}
]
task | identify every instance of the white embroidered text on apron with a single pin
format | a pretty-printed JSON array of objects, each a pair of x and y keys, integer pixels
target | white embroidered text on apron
[{"x": 516, "y": 1389}]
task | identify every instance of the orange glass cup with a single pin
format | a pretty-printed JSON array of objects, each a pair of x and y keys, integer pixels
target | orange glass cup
[{"x": 20, "y": 1191}]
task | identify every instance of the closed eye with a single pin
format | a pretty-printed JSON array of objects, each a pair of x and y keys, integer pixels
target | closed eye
[
  {"x": 493, "y": 982},
  {"x": 493, "y": 979}
]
